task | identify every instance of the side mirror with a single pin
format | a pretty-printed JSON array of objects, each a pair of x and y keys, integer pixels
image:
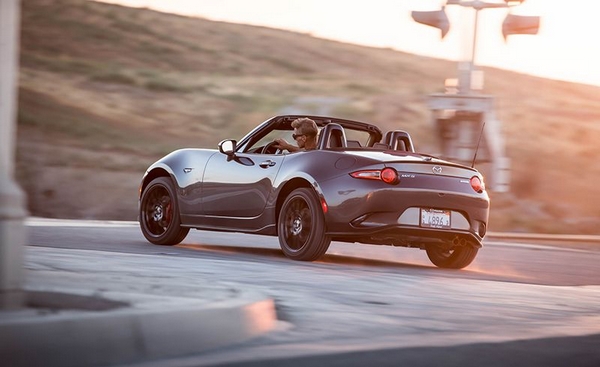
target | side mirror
[{"x": 227, "y": 147}]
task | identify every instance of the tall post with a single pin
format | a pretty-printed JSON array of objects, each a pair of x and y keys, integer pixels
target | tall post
[
  {"x": 12, "y": 199},
  {"x": 474, "y": 48},
  {"x": 461, "y": 114},
  {"x": 473, "y": 52}
]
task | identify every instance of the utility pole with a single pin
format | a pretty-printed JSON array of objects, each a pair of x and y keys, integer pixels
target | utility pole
[
  {"x": 12, "y": 199},
  {"x": 464, "y": 117}
]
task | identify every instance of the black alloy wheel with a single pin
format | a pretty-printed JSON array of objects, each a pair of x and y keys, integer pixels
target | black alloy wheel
[
  {"x": 301, "y": 226},
  {"x": 456, "y": 258},
  {"x": 159, "y": 213}
]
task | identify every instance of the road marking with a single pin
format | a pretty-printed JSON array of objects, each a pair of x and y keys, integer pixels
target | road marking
[{"x": 51, "y": 222}]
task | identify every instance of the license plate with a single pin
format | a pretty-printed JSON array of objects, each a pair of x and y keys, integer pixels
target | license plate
[{"x": 435, "y": 218}]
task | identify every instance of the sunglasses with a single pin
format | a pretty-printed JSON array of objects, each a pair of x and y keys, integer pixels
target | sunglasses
[{"x": 296, "y": 136}]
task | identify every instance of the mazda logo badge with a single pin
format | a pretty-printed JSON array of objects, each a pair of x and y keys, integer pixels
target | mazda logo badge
[{"x": 437, "y": 170}]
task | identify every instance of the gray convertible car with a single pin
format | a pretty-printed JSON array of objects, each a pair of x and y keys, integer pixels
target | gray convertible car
[{"x": 359, "y": 185}]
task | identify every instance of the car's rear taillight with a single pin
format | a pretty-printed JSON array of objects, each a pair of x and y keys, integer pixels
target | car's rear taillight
[
  {"x": 367, "y": 175},
  {"x": 477, "y": 184},
  {"x": 387, "y": 175}
]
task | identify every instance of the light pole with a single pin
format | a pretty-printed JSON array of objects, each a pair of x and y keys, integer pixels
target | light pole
[
  {"x": 12, "y": 199},
  {"x": 513, "y": 24},
  {"x": 464, "y": 117}
]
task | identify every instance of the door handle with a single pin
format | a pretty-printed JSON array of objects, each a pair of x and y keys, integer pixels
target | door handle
[{"x": 267, "y": 163}]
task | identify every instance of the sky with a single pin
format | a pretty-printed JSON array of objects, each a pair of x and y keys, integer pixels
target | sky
[{"x": 565, "y": 48}]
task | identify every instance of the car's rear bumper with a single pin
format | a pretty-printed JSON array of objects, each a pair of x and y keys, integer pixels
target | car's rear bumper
[
  {"x": 390, "y": 215},
  {"x": 408, "y": 236}
]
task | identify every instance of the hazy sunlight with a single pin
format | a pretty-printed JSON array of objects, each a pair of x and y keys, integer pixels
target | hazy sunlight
[{"x": 563, "y": 49}]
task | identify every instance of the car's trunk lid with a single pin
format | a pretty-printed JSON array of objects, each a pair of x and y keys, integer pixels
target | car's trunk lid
[{"x": 406, "y": 162}]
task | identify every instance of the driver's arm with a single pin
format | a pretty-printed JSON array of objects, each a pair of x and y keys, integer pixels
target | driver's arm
[{"x": 282, "y": 144}]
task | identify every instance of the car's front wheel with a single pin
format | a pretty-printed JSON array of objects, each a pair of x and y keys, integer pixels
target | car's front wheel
[
  {"x": 159, "y": 213},
  {"x": 455, "y": 258},
  {"x": 301, "y": 226}
]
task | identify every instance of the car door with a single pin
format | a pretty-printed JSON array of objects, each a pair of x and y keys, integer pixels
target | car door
[{"x": 237, "y": 188}]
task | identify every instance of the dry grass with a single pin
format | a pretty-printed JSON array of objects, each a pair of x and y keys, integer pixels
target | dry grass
[{"x": 105, "y": 90}]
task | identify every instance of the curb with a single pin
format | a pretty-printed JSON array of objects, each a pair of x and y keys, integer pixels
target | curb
[
  {"x": 557, "y": 241},
  {"x": 131, "y": 334}
]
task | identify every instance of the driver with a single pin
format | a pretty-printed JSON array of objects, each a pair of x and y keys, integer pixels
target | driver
[{"x": 305, "y": 134}]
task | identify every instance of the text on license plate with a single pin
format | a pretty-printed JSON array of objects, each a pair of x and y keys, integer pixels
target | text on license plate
[{"x": 435, "y": 218}]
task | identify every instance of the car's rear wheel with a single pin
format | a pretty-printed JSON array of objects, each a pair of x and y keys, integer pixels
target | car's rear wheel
[
  {"x": 455, "y": 258},
  {"x": 301, "y": 226},
  {"x": 159, "y": 213}
]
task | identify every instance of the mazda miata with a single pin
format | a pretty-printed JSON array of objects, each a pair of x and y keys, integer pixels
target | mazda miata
[{"x": 358, "y": 185}]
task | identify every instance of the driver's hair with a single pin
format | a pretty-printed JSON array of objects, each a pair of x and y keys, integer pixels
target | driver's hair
[{"x": 305, "y": 126}]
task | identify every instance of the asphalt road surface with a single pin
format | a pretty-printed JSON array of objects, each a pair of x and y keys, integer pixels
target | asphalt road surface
[{"x": 523, "y": 304}]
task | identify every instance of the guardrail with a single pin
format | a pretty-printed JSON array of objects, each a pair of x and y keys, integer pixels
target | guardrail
[{"x": 562, "y": 238}]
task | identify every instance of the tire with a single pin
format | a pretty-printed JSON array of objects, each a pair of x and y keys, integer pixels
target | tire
[
  {"x": 301, "y": 226},
  {"x": 455, "y": 258},
  {"x": 159, "y": 213}
]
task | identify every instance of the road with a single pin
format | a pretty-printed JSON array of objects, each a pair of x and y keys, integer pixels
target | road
[{"x": 373, "y": 298}]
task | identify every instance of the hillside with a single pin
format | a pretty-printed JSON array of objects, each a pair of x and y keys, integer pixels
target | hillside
[{"x": 105, "y": 90}]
